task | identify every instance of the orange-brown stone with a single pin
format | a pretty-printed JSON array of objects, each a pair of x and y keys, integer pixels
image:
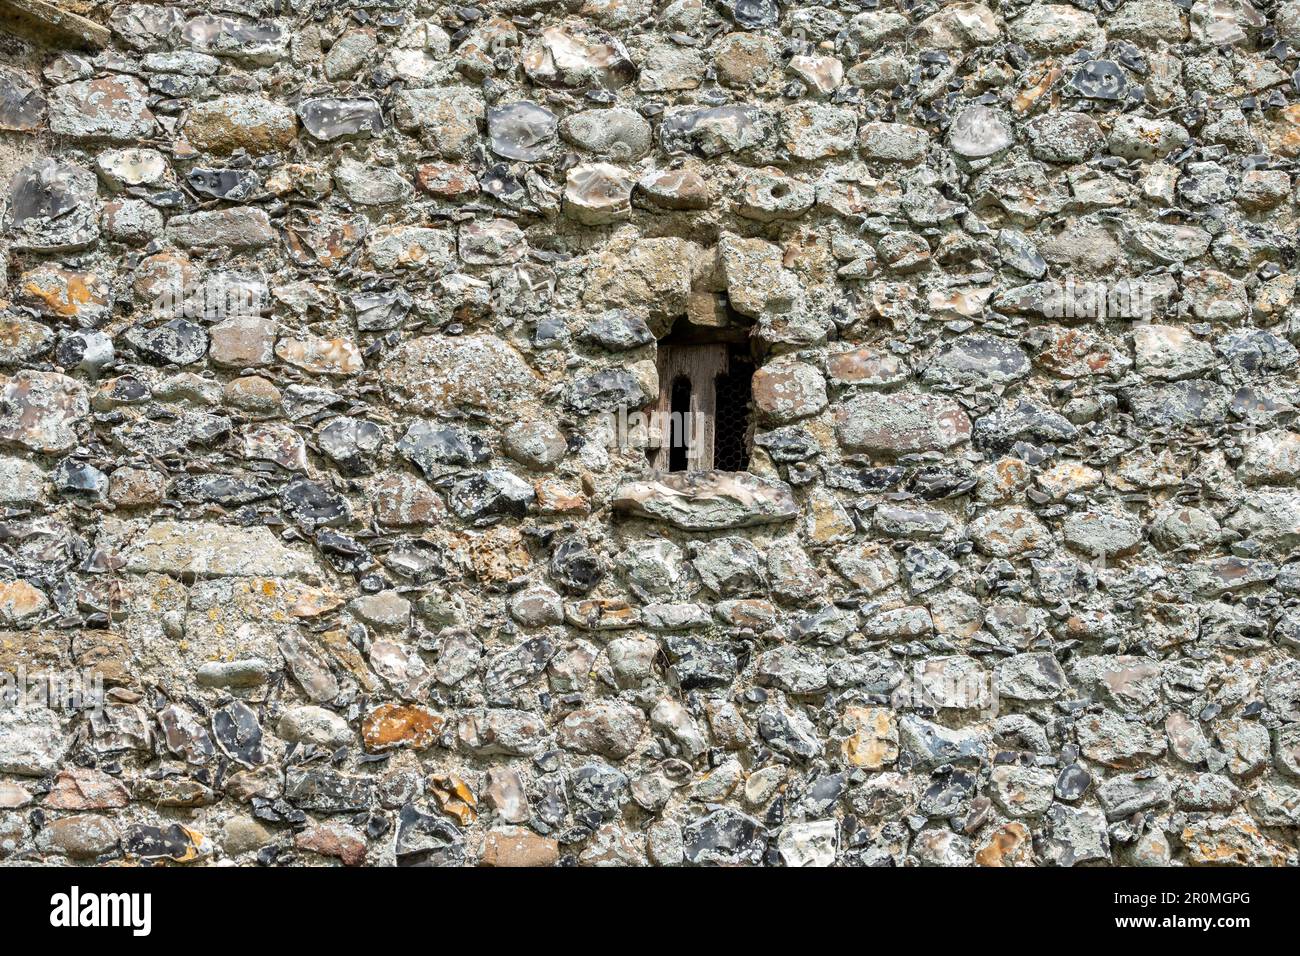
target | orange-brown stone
[
  {"x": 515, "y": 846},
  {"x": 84, "y": 789},
  {"x": 1008, "y": 845},
  {"x": 334, "y": 840},
  {"x": 390, "y": 726},
  {"x": 454, "y": 797}
]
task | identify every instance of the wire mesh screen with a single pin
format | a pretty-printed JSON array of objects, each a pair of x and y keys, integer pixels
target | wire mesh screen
[{"x": 731, "y": 427}]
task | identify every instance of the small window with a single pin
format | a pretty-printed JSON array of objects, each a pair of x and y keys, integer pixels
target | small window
[{"x": 703, "y": 414}]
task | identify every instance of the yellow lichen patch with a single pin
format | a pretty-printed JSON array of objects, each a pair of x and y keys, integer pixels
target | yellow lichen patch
[
  {"x": 64, "y": 293},
  {"x": 1230, "y": 841},
  {"x": 496, "y": 556},
  {"x": 282, "y": 600},
  {"x": 1284, "y": 137}
]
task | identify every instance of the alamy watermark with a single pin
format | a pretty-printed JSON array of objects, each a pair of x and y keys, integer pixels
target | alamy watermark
[
  {"x": 72, "y": 691},
  {"x": 76, "y": 909},
  {"x": 222, "y": 296},
  {"x": 655, "y": 429},
  {"x": 1126, "y": 299}
]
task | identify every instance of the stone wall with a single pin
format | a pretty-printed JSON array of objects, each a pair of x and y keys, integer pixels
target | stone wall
[{"x": 314, "y": 319}]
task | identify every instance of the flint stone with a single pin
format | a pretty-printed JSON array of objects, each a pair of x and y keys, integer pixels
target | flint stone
[
  {"x": 261, "y": 43},
  {"x": 724, "y": 837},
  {"x": 83, "y": 836},
  {"x": 239, "y": 228},
  {"x": 787, "y": 390},
  {"x": 32, "y": 741},
  {"x": 1180, "y": 404},
  {"x": 1030, "y": 677},
  {"x": 959, "y": 26},
  {"x": 1110, "y": 739},
  {"x": 812, "y": 131},
  {"x": 619, "y": 134},
  {"x": 578, "y": 56},
  {"x": 1099, "y": 80},
  {"x": 21, "y": 482},
  {"x": 177, "y": 342},
  {"x": 609, "y": 728},
  {"x": 716, "y": 130},
  {"x": 522, "y": 131},
  {"x": 893, "y": 142},
  {"x": 208, "y": 550},
  {"x": 1077, "y": 835},
  {"x": 901, "y": 423},
  {"x": 1064, "y": 137},
  {"x": 708, "y": 501},
  {"x": 41, "y": 411},
  {"x": 67, "y": 294},
  {"x": 445, "y": 118},
  {"x": 368, "y": 185},
  {"x": 933, "y": 745},
  {"x": 1136, "y": 137},
  {"x": 332, "y": 118},
  {"x": 327, "y": 791},
  {"x": 22, "y": 105},
  {"x": 978, "y": 132},
  {"x": 434, "y": 375},
  {"x": 52, "y": 207},
  {"x": 1053, "y": 28},
  {"x": 1148, "y": 22},
  {"x": 1106, "y": 533},
  {"x": 813, "y": 843},
  {"x": 500, "y": 731},
  {"x": 111, "y": 107},
  {"x": 598, "y": 194},
  {"x": 976, "y": 360}
]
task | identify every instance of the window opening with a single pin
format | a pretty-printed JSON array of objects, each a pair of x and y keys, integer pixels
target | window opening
[
  {"x": 704, "y": 415},
  {"x": 731, "y": 433},
  {"x": 678, "y": 438}
]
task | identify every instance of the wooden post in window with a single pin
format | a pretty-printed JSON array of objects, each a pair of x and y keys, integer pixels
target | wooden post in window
[{"x": 701, "y": 364}]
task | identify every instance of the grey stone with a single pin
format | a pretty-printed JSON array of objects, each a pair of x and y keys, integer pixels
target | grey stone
[
  {"x": 111, "y": 107},
  {"x": 225, "y": 228},
  {"x": 978, "y": 132},
  {"x": 33, "y": 742},
  {"x": 620, "y": 134},
  {"x": 708, "y": 500}
]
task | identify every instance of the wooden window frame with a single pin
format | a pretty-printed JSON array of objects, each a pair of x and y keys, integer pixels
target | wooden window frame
[{"x": 701, "y": 364}]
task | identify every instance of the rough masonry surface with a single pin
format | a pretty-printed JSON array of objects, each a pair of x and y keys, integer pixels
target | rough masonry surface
[{"x": 313, "y": 319}]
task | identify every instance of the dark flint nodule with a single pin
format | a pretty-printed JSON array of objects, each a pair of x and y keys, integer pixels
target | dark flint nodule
[
  {"x": 1099, "y": 80},
  {"x": 46, "y": 189},
  {"x": 239, "y": 734},
  {"x": 235, "y": 185},
  {"x": 178, "y": 342}
]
